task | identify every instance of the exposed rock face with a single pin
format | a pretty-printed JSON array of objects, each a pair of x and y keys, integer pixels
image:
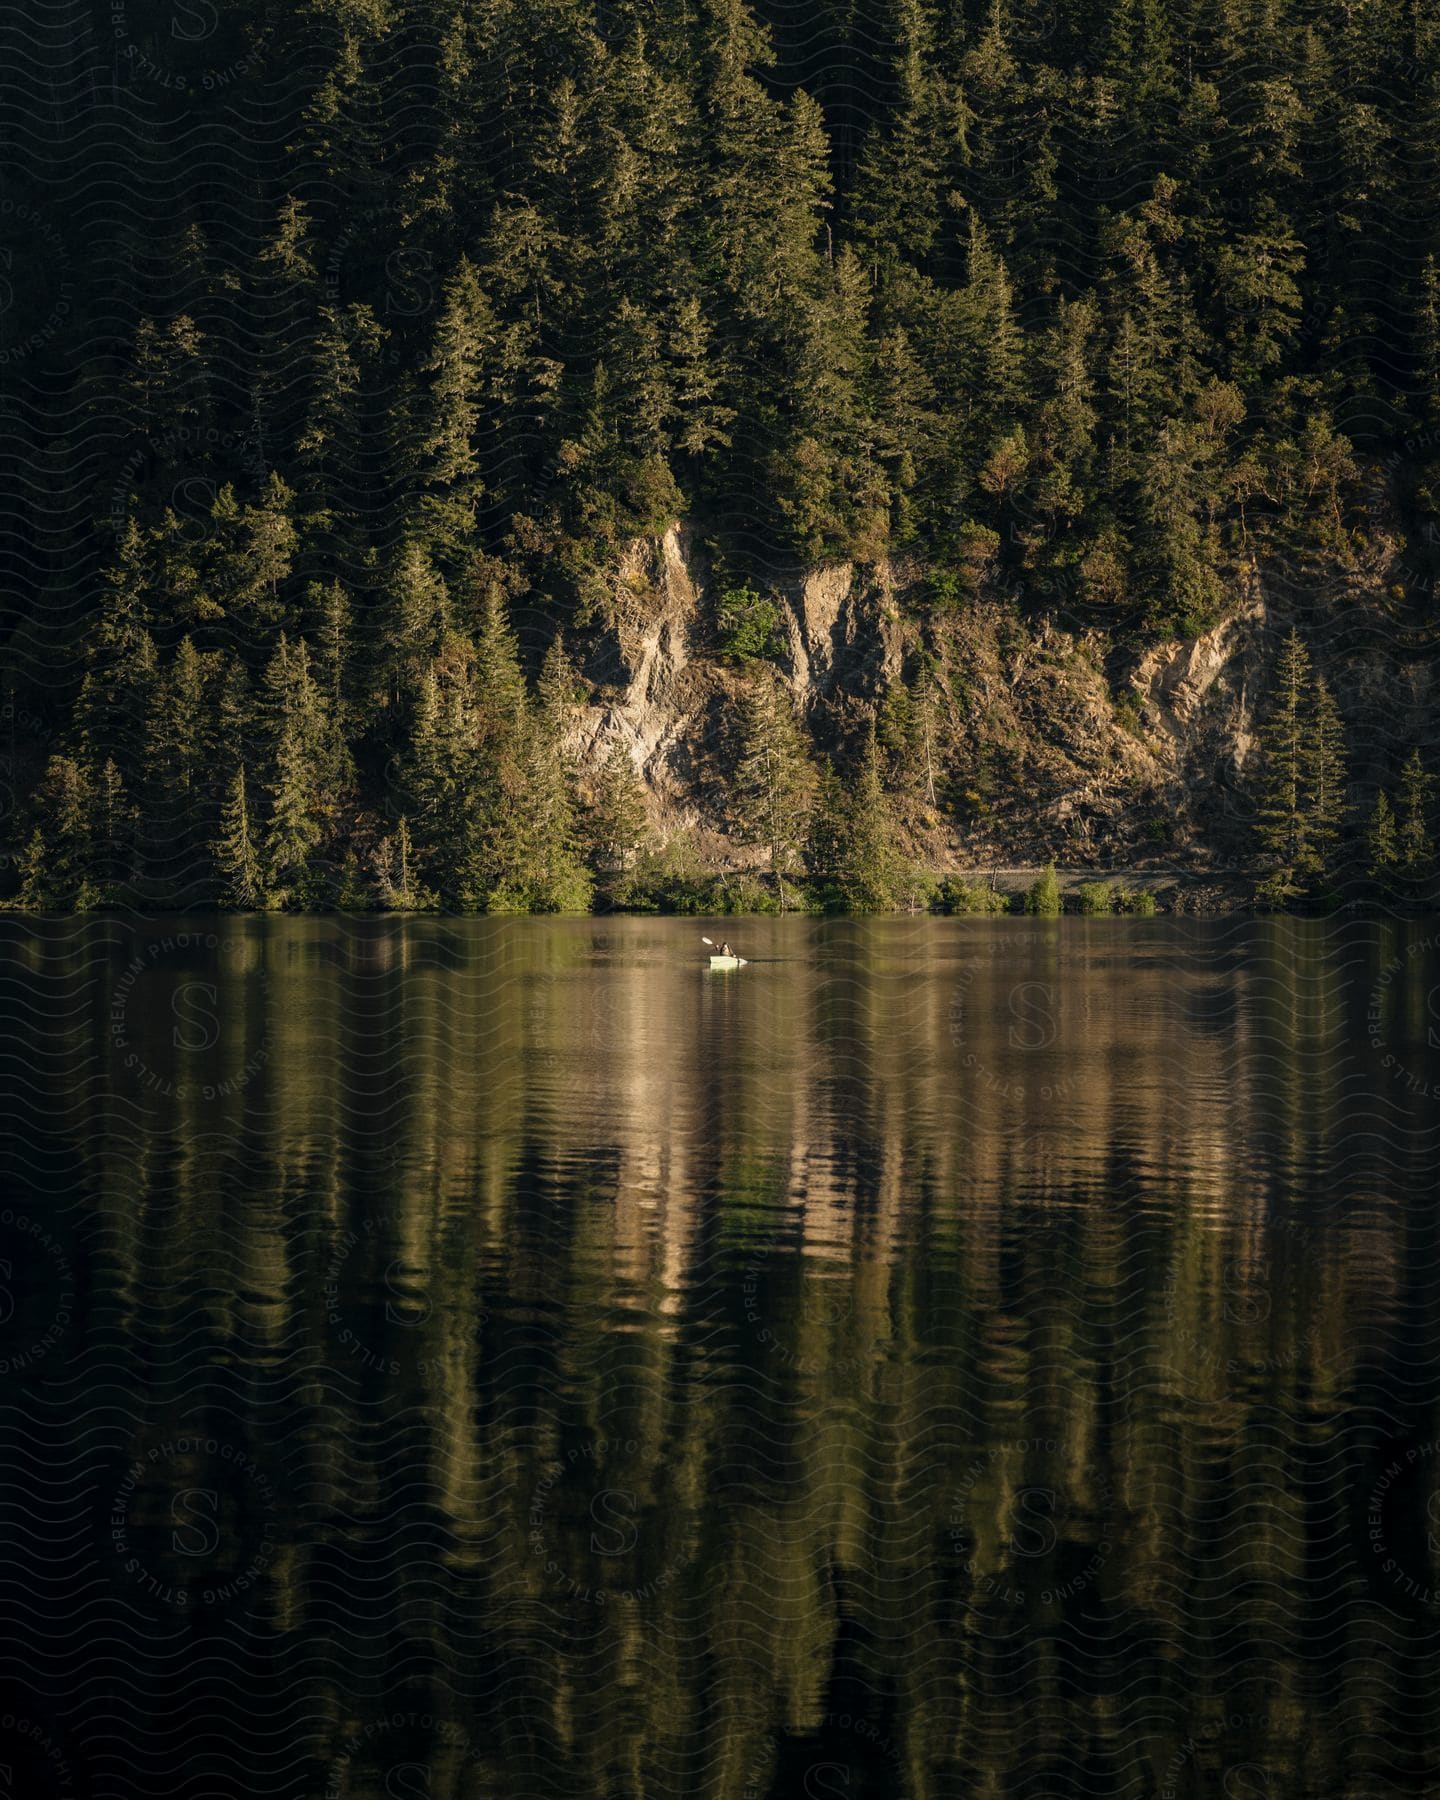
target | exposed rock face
[
  {"x": 1043, "y": 749},
  {"x": 844, "y": 638},
  {"x": 654, "y": 693},
  {"x": 1177, "y": 679},
  {"x": 659, "y": 688}
]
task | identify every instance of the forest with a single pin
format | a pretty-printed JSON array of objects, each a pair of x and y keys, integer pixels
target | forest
[{"x": 345, "y": 347}]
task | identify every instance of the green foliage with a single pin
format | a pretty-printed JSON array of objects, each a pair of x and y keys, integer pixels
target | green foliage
[
  {"x": 1382, "y": 841},
  {"x": 1097, "y": 897},
  {"x": 58, "y": 867},
  {"x": 670, "y": 878},
  {"x": 397, "y": 884},
  {"x": 1416, "y": 846},
  {"x": 749, "y": 625},
  {"x": 1042, "y": 897},
  {"x": 852, "y": 854},
  {"x": 1303, "y": 774},
  {"x": 774, "y": 781},
  {"x": 615, "y": 826},
  {"x": 236, "y": 857},
  {"x": 1139, "y": 902},
  {"x": 957, "y": 896}
]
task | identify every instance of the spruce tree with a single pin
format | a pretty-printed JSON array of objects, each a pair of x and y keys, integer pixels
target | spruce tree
[
  {"x": 827, "y": 839},
  {"x": 546, "y": 868},
  {"x": 418, "y": 613},
  {"x": 1325, "y": 776},
  {"x": 117, "y": 690},
  {"x": 114, "y": 833},
  {"x": 306, "y": 767},
  {"x": 334, "y": 633},
  {"x": 1417, "y": 849},
  {"x": 1382, "y": 841},
  {"x": 234, "y": 850},
  {"x": 448, "y": 464},
  {"x": 259, "y": 560},
  {"x": 615, "y": 825},
  {"x": 59, "y": 866},
  {"x": 773, "y": 781},
  {"x": 871, "y": 866},
  {"x": 851, "y": 849},
  {"x": 1283, "y": 824},
  {"x": 396, "y": 876}
]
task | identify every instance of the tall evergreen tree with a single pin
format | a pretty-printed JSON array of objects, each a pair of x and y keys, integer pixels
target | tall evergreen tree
[
  {"x": 448, "y": 464},
  {"x": 616, "y": 822},
  {"x": 1382, "y": 842},
  {"x": 59, "y": 866},
  {"x": 236, "y": 857},
  {"x": 852, "y": 849},
  {"x": 1326, "y": 773},
  {"x": 1282, "y": 819},
  {"x": 1417, "y": 849},
  {"x": 774, "y": 781}
]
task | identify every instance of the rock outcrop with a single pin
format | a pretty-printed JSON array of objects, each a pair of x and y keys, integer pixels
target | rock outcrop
[{"x": 1046, "y": 747}]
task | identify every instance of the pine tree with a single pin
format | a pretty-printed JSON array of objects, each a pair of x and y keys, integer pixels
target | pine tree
[
  {"x": 1282, "y": 821},
  {"x": 702, "y": 420},
  {"x": 117, "y": 691},
  {"x": 293, "y": 831},
  {"x": 176, "y": 779},
  {"x": 616, "y": 822},
  {"x": 114, "y": 833},
  {"x": 1417, "y": 849},
  {"x": 234, "y": 724},
  {"x": 334, "y": 632},
  {"x": 351, "y": 893},
  {"x": 872, "y": 865},
  {"x": 546, "y": 871},
  {"x": 825, "y": 841},
  {"x": 59, "y": 866},
  {"x": 1382, "y": 842},
  {"x": 559, "y": 688},
  {"x": 167, "y": 389},
  {"x": 448, "y": 465},
  {"x": 419, "y": 612},
  {"x": 1325, "y": 776},
  {"x": 258, "y": 563},
  {"x": 306, "y": 767},
  {"x": 346, "y": 345},
  {"x": 773, "y": 781},
  {"x": 851, "y": 850},
  {"x": 500, "y": 697},
  {"x": 395, "y": 873},
  {"x": 234, "y": 849}
]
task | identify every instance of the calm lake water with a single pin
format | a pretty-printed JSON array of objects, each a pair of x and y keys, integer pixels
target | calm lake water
[{"x": 501, "y": 1358}]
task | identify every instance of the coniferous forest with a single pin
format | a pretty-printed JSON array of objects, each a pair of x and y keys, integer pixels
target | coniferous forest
[{"x": 353, "y": 352}]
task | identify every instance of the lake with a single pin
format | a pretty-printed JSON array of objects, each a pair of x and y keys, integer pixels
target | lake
[{"x": 500, "y": 1358}]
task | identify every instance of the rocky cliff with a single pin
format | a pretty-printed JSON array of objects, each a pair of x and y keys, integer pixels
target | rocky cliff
[{"x": 1049, "y": 742}]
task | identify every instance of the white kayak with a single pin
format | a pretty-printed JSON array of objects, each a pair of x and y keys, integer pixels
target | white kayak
[{"x": 728, "y": 962}]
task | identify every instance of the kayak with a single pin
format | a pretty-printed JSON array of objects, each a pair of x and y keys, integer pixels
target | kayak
[{"x": 728, "y": 962}]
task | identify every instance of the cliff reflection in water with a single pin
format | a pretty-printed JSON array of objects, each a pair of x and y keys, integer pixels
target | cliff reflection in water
[{"x": 951, "y": 1358}]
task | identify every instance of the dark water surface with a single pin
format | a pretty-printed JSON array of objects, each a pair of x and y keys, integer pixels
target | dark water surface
[{"x": 499, "y": 1358}]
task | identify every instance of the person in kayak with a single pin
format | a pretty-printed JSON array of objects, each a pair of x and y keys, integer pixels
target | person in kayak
[{"x": 725, "y": 950}]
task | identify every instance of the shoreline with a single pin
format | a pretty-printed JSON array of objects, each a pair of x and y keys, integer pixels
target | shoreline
[{"x": 1199, "y": 907}]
